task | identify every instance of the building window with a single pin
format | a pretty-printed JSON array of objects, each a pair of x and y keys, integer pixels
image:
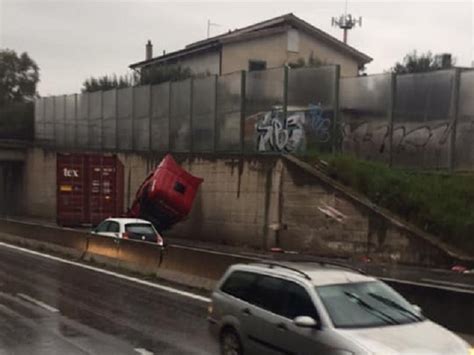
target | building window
[
  {"x": 293, "y": 41},
  {"x": 257, "y": 65}
]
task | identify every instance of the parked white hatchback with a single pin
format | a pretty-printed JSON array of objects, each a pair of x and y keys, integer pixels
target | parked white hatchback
[
  {"x": 129, "y": 228},
  {"x": 312, "y": 308}
]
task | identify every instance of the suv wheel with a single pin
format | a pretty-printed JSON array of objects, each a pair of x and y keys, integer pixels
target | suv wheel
[{"x": 230, "y": 343}]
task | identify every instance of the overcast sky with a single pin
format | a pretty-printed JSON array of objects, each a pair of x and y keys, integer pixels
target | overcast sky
[{"x": 74, "y": 39}]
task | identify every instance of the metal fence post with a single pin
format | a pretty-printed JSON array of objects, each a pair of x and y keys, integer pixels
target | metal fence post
[
  {"x": 102, "y": 135},
  {"x": 216, "y": 126},
  {"x": 116, "y": 120},
  {"x": 133, "y": 120},
  {"x": 74, "y": 137},
  {"x": 54, "y": 142},
  {"x": 455, "y": 113},
  {"x": 336, "y": 142},
  {"x": 65, "y": 125},
  {"x": 391, "y": 114},
  {"x": 285, "y": 95},
  {"x": 243, "y": 99},
  {"x": 90, "y": 141},
  {"x": 170, "y": 145},
  {"x": 150, "y": 113},
  {"x": 191, "y": 97}
]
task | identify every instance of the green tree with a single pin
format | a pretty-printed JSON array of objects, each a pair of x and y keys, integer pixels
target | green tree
[
  {"x": 19, "y": 76},
  {"x": 420, "y": 63},
  {"x": 108, "y": 82},
  {"x": 164, "y": 73},
  {"x": 148, "y": 76}
]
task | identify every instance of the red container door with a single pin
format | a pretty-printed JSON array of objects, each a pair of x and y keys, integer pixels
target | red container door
[
  {"x": 90, "y": 188},
  {"x": 71, "y": 189},
  {"x": 104, "y": 188}
]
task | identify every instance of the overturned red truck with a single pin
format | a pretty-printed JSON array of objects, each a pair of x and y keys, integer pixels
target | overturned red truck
[{"x": 166, "y": 196}]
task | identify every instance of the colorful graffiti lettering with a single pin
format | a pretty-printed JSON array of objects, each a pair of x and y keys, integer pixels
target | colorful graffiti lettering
[
  {"x": 276, "y": 134},
  {"x": 319, "y": 125}
]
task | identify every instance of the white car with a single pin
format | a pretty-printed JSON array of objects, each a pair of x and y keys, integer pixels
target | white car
[{"x": 129, "y": 228}]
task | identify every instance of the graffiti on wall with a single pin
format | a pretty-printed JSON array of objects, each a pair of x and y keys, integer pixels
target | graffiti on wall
[
  {"x": 366, "y": 138},
  {"x": 370, "y": 138},
  {"x": 319, "y": 125},
  {"x": 405, "y": 136},
  {"x": 279, "y": 135},
  {"x": 274, "y": 133}
]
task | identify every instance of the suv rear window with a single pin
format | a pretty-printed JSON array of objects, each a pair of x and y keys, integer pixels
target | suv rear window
[
  {"x": 140, "y": 228},
  {"x": 239, "y": 284}
]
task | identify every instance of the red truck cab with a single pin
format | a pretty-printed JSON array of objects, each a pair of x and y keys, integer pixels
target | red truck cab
[{"x": 166, "y": 196}]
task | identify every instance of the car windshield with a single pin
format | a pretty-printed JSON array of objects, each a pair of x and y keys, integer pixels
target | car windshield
[
  {"x": 366, "y": 304},
  {"x": 140, "y": 228}
]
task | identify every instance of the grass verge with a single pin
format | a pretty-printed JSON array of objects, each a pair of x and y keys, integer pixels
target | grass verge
[{"x": 439, "y": 203}]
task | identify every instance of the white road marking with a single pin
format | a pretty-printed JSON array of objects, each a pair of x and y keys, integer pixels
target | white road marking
[
  {"x": 209, "y": 251},
  {"x": 142, "y": 351},
  {"x": 449, "y": 283},
  {"x": 425, "y": 284},
  {"x": 38, "y": 303},
  {"x": 111, "y": 273}
]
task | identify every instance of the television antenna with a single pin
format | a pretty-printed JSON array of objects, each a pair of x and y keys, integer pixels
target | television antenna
[
  {"x": 346, "y": 22},
  {"x": 209, "y": 25}
]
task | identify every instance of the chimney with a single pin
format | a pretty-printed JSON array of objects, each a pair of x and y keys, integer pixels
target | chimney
[{"x": 149, "y": 50}]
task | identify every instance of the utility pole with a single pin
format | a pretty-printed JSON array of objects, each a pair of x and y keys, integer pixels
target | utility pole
[{"x": 346, "y": 22}]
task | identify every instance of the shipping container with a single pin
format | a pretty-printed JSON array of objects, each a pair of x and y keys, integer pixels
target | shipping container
[{"x": 89, "y": 188}]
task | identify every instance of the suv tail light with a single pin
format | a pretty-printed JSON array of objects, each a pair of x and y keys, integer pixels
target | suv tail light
[{"x": 159, "y": 240}]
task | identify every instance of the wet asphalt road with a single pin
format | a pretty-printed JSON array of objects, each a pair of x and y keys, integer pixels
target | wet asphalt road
[{"x": 48, "y": 307}]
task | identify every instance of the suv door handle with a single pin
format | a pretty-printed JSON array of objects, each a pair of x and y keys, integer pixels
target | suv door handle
[
  {"x": 246, "y": 312},
  {"x": 282, "y": 326}
]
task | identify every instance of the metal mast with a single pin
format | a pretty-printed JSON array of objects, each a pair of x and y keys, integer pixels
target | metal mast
[{"x": 346, "y": 22}]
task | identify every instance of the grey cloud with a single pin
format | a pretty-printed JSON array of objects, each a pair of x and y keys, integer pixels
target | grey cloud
[{"x": 73, "y": 39}]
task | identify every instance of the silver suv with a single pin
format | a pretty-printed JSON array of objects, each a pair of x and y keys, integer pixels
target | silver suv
[{"x": 313, "y": 308}]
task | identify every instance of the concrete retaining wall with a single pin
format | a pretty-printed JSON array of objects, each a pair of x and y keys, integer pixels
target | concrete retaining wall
[
  {"x": 39, "y": 184},
  {"x": 262, "y": 202}
]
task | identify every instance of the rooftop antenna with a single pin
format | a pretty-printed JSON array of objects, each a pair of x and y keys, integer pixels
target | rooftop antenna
[
  {"x": 346, "y": 22},
  {"x": 209, "y": 24}
]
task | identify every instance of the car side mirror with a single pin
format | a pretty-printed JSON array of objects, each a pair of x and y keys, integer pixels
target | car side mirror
[
  {"x": 305, "y": 322},
  {"x": 417, "y": 308},
  {"x": 93, "y": 231}
]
